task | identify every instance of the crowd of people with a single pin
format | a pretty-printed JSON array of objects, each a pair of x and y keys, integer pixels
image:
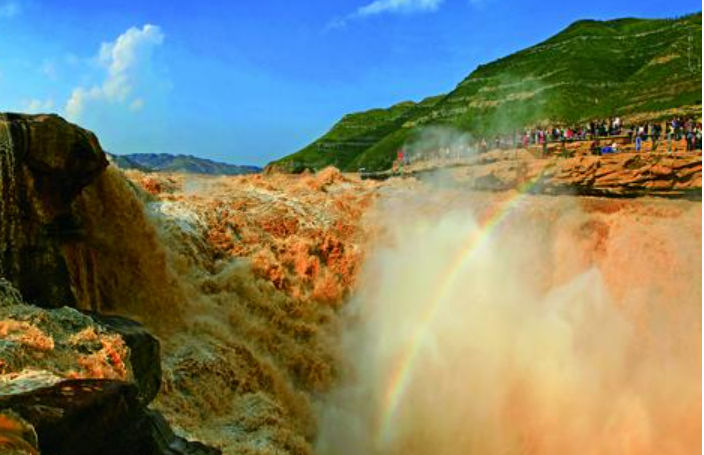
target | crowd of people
[
  {"x": 674, "y": 129},
  {"x": 606, "y": 136}
]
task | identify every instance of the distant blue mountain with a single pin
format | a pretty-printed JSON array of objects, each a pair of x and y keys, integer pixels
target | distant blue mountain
[{"x": 166, "y": 162}]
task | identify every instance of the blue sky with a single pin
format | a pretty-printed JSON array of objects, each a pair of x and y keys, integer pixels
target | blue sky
[{"x": 248, "y": 81}]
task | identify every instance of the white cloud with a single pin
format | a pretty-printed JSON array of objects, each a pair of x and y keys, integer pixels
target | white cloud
[
  {"x": 9, "y": 9},
  {"x": 126, "y": 62},
  {"x": 387, "y": 7},
  {"x": 36, "y": 106},
  {"x": 399, "y": 6}
]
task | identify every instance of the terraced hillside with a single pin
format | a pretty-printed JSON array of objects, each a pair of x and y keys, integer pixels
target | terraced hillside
[
  {"x": 635, "y": 68},
  {"x": 358, "y": 133}
]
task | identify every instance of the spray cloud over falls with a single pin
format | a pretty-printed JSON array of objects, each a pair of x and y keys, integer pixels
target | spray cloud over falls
[
  {"x": 440, "y": 142},
  {"x": 476, "y": 337}
]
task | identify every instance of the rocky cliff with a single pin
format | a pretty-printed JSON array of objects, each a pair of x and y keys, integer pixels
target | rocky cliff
[
  {"x": 71, "y": 382},
  {"x": 45, "y": 162},
  {"x": 677, "y": 175}
]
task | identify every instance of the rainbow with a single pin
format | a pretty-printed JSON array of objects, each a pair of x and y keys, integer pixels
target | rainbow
[{"x": 400, "y": 378}]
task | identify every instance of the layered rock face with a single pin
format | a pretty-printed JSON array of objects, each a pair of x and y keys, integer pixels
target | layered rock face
[
  {"x": 44, "y": 164},
  {"x": 619, "y": 175},
  {"x": 627, "y": 175}
]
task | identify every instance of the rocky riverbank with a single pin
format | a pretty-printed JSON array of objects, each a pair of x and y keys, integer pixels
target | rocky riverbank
[{"x": 677, "y": 175}]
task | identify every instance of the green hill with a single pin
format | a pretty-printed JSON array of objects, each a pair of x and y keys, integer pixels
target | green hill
[{"x": 633, "y": 68}]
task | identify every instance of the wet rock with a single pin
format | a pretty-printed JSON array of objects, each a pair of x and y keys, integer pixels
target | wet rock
[
  {"x": 62, "y": 342},
  {"x": 62, "y": 158},
  {"x": 90, "y": 417},
  {"x": 167, "y": 443},
  {"x": 83, "y": 416},
  {"x": 82, "y": 381},
  {"x": 144, "y": 348},
  {"x": 71, "y": 344},
  {"x": 45, "y": 162}
]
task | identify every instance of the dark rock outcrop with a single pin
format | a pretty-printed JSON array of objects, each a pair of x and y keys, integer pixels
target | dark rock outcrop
[
  {"x": 83, "y": 416},
  {"x": 79, "y": 384},
  {"x": 167, "y": 443},
  {"x": 144, "y": 353},
  {"x": 95, "y": 417},
  {"x": 45, "y": 162},
  {"x": 62, "y": 342}
]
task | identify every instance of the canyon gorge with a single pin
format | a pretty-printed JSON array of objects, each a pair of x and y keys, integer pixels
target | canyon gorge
[{"x": 512, "y": 304}]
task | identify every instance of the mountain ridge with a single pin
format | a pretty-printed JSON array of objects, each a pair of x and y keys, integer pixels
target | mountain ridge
[{"x": 167, "y": 162}]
